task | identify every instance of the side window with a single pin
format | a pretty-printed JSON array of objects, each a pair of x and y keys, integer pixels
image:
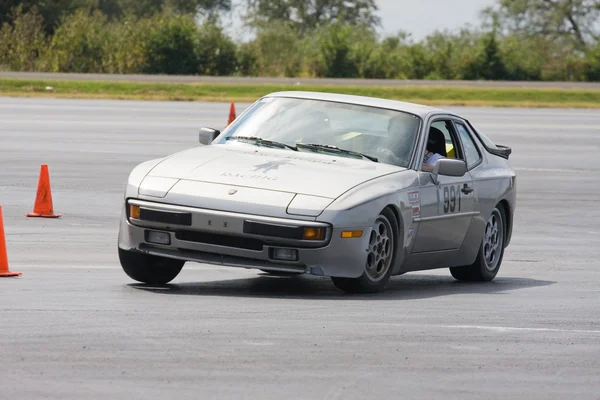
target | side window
[
  {"x": 445, "y": 126},
  {"x": 471, "y": 151}
]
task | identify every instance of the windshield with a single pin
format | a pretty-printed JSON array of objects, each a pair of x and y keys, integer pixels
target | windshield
[{"x": 387, "y": 135}]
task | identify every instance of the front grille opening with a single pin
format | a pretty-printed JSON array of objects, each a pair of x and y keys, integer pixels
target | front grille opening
[{"x": 220, "y": 240}]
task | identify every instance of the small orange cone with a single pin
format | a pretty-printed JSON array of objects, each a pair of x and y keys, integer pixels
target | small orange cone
[
  {"x": 4, "y": 271},
  {"x": 43, "y": 202},
  {"x": 231, "y": 114}
]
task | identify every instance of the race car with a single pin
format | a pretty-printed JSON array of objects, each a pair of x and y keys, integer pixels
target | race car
[{"x": 325, "y": 184}]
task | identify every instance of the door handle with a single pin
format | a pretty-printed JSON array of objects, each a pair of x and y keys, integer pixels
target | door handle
[{"x": 466, "y": 189}]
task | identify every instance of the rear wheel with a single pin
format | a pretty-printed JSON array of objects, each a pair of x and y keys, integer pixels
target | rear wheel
[
  {"x": 488, "y": 261},
  {"x": 380, "y": 258},
  {"x": 150, "y": 269}
]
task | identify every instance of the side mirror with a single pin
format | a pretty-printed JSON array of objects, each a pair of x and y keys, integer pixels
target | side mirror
[
  {"x": 449, "y": 167},
  {"x": 207, "y": 135}
]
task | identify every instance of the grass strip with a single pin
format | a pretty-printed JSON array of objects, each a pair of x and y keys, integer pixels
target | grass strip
[{"x": 226, "y": 92}]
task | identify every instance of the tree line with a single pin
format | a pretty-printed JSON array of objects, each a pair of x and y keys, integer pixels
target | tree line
[{"x": 515, "y": 40}]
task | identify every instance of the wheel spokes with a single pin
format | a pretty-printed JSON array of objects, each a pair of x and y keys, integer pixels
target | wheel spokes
[
  {"x": 492, "y": 240},
  {"x": 380, "y": 251}
]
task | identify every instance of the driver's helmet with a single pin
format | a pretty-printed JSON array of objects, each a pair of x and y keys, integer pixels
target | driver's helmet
[{"x": 436, "y": 142}]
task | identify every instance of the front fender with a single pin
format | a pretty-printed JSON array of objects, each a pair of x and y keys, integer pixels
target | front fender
[
  {"x": 361, "y": 204},
  {"x": 137, "y": 175},
  {"x": 359, "y": 208}
]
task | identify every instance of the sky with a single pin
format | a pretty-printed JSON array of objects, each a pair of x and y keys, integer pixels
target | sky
[{"x": 419, "y": 17}]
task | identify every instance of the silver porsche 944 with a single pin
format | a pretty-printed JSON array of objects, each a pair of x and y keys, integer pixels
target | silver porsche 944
[{"x": 353, "y": 188}]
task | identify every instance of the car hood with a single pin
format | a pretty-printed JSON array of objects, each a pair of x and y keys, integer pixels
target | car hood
[{"x": 280, "y": 170}]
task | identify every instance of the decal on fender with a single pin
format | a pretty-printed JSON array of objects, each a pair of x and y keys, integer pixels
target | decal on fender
[{"x": 415, "y": 203}]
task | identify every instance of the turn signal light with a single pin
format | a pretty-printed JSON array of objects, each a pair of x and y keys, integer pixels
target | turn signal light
[
  {"x": 313, "y": 234},
  {"x": 134, "y": 212},
  {"x": 351, "y": 234}
]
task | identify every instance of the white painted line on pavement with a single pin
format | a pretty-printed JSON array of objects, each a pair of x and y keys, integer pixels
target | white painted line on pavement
[
  {"x": 514, "y": 329},
  {"x": 569, "y": 170}
]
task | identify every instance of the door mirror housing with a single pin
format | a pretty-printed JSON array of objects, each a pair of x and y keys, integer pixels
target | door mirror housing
[
  {"x": 208, "y": 135},
  {"x": 449, "y": 167}
]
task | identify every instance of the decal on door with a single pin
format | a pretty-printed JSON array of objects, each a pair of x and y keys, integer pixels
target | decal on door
[{"x": 450, "y": 199}]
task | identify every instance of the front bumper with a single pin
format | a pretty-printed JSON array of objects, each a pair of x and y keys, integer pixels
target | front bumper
[{"x": 223, "y": 238}]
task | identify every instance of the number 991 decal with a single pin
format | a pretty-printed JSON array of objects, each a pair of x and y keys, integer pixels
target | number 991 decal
[{"x": 451, "y": 199}]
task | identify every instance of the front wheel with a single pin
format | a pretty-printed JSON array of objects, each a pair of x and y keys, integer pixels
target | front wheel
[
  {"x": 149, "y": 269},
  {"x": 491, "y": 251},
  {"x": 380, "y": 258}
]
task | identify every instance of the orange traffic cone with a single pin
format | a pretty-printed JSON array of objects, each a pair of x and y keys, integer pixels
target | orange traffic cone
[
  {"x": 4, "y": 271},
  {"x": 43, "y": 202},
  {"x": 231, "y": 114}
]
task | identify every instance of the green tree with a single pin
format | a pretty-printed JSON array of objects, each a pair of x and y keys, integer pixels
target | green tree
[
  {"x": 172, "y": 47},
  {"x": 574, "y": 19},
  {"x": 276, "y": 51},
  {"x": 388, "y": 60},
  {"x": 420, "y": 65},
  {"x": 118, "y": 9},
  {"x": 336, "y": 59},
  {"x": 488, "y": 63},
  {"x": 126, "y": 48},
  {"x": 23, "y": 42},
  {"x": 78, "y": 43},
  {"x": 204, "y": 7},
  {"x": 306, "y": 15},
  {"x": 451, "y": 53},
  {"x": 51, "y": 11},
  {"x": 216, "y": 51},
  {"x": 592, "y": 64}
]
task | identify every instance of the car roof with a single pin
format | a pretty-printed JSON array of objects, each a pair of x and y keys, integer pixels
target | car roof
[{"x": 413, "y": 108}]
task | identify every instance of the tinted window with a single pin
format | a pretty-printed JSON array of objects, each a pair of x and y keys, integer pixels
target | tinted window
[{"x": 471, "y": 151}]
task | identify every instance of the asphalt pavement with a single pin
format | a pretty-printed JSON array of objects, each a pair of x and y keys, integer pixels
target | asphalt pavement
[{"x": 74, "y": 326}]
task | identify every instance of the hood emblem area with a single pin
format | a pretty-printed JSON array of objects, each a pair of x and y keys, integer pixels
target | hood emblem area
[{"x": 271, "y": 165}]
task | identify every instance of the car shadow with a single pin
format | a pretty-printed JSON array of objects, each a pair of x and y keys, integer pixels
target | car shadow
[{"x": 407, "y": 286}]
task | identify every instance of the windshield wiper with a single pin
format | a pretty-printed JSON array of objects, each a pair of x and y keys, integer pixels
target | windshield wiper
[
  {"x": 259, "y": 141},
  {"x": 335, "y": 149}
]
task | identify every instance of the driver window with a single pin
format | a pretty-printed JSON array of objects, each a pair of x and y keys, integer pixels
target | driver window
[{"x": 445, "y": 127}]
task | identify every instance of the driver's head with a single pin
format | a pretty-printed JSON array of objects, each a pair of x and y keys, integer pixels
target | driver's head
[{"x": 436, "y": 143}]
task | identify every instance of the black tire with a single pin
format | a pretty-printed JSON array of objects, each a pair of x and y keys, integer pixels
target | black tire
[
  {"x": 149, "y": 269},
  {"x": 491, "y": 252},
  {"x": 367, "y": 283}
]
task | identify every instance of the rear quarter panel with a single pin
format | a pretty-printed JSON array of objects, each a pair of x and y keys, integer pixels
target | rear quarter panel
[{"x": 494, "y": 182}]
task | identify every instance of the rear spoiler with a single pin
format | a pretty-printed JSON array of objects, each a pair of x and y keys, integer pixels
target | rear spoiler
[
  {"x": 502, "y": 151},
  {"x": 493, "y": 148}
]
